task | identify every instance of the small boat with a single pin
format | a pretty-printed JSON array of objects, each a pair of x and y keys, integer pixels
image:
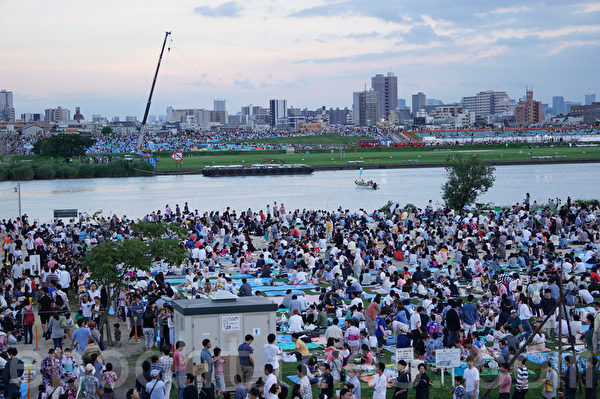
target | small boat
[{"x": 371, "y": 185}]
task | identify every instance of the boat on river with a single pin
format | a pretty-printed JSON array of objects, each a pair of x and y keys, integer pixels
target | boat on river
[
  {"x": 370, "y": 185},
  {"x": 256, "y": 170}
]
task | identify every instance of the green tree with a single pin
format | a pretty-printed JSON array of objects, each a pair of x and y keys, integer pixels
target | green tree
[
  {"x": 109, "y": 261},
  {"x": 468, "y": 177},
  {"x": 107, "y": 130},
  {"x": 63, "y": 145}
]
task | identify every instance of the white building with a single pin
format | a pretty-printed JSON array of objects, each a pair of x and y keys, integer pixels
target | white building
[
  {"x": 486, "y": 103},
  {"x": 278, "y": 112},
  {"x": 57, "y": 115}
]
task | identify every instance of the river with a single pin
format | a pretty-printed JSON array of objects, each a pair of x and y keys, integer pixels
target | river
[{"x": 136, "y": 196}]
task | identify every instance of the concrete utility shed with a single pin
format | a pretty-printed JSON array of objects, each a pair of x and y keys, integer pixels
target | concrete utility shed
[{"x": 225, "y": 320}]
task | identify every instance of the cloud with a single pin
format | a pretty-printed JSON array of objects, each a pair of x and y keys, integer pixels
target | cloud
[
  {"x": 421, "y": 34},
  {"x": 230, "y": 9},
  {"x": 519, "y": 41},
  {"x": 244, "y": 84}
]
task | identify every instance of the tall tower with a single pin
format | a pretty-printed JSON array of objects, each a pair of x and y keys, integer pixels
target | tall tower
[{"x": 387, "y": 92}]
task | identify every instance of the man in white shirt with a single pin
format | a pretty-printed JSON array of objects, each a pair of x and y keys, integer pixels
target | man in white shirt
[
  {"x": 471, "y": 376},
  {"x": 295, "y": 322},
  {"x": 379, "y": 382}
]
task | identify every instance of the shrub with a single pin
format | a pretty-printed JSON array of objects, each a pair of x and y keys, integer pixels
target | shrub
[
  {"x": 3, "y": 173},
  {"x": 24, "y": 172},
  {"x": 86, "y": 171},
  {"x": 66, "y": 172},
  {"x": 44, "y": 172}
]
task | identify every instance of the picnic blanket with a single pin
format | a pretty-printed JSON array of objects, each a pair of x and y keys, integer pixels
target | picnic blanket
[{"x": 290, "y": 346}]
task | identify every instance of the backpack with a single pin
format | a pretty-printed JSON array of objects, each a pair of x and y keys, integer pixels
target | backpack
[
  {"x": 29, "y": 317},
  {"x": 536, "y": 298},
  {"x": 59, "y": 301}
]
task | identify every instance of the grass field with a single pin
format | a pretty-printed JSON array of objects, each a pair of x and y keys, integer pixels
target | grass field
[{"x": 397, "y": 156}]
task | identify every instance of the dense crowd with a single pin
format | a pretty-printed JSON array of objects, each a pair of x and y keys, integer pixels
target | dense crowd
[{"x": 478, "y": 281}]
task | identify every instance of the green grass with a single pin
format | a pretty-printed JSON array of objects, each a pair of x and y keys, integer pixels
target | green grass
[{"x": 406, "y": 156}]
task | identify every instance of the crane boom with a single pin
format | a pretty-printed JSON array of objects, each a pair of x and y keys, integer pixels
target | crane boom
[{"x": 148, "y": 153}]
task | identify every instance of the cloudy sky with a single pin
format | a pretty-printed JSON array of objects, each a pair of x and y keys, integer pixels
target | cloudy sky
[{"x": 101, "y": 55}]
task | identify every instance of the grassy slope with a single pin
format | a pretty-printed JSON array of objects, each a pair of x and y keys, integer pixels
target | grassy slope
[{"x": 378, "y": 156}]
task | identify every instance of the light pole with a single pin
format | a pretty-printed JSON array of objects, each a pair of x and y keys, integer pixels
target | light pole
[{"x": 18, "y": 191}]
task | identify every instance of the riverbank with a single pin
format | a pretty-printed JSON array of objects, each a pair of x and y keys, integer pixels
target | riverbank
[{"x": 36, "y": 168}]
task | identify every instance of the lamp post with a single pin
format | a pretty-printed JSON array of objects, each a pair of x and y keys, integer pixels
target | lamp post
[{"x": 18, "y": 191}]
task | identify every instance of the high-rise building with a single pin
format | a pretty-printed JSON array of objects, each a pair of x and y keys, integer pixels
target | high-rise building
[
  {"x": 486, "y": 103},
  {"x": 57, "y": 115},
  {"x": 401, "y": 103},
  {"x": 528, "y": 111},
  {"x": 338, "y": 116},
  {"x": 278, "y": 112},
  {"x": 418, "y": 102},
  {"x": 589, "y": 99},
  {"x": 387, "y": 92},
  {"x": 558, "y": 105},
  {"x": 365, "y": 108},
  {"x": 131, "y": 119},
  {"x": 7, "y": 110},
  {"x": 220, "y": 105},
  {"x": 590, "y": 113}
]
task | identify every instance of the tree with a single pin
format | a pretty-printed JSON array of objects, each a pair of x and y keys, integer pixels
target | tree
[
  {"x": 110, "y": 261},
  {"x": 468, "y": 177},
  {"x": 107, "y": 130},
  {"x": 63, "y": 145}
]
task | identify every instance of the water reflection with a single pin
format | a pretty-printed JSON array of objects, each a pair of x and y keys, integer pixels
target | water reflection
[{"x": 326, "y": 190}]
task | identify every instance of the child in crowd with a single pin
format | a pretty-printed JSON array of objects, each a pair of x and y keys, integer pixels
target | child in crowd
[
  {"x": 117, "y": 335},
  {"x": 459, "y": 391}
]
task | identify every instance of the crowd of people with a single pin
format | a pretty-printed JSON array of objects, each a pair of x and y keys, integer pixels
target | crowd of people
[{"x": 481, "y": 282}]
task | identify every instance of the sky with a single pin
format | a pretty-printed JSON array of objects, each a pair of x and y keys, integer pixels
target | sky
[{"x": 101, "y": 55}]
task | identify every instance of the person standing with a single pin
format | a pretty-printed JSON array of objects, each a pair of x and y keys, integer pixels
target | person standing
[
  {"x": 379, "y": 383},
  {"x": 190, "y": 391},
  {"x": 590, "y": 378},
  {"x": 371, "y": 314},
  {"x": 179, "y": 363},
  {"x": 522, "y": 384},
  {"x": 155, "y": 387},
  {"x": 570, "y": 377},
  {"x": 550, "y": 381},
  {"x": 246, "y": 356},
  {"x": 452, "y": 325},
  {"x": 471, "y": 376},
  {"x": 148, "y": 327},
  {"x": 89, "y": 386},
  {"x": 272, "y": 352},
  {"x": 422, "y": 383},
  {"x": 166, "y": 362},
  {"x": 504, "y": 381},
  {"x": 402, "y": 381}
]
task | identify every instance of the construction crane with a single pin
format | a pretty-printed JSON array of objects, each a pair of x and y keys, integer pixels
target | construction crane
[{"x": 146, "y": 153}]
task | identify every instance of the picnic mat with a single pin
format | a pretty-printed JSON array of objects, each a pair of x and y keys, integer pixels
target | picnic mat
[{"x": 290, "y": 346}]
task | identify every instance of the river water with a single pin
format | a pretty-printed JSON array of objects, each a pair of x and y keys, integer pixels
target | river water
[{"x": 136, "y": 196}]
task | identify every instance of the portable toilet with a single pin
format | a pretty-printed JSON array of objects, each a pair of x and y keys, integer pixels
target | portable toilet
[{"x": 225, "y": 320}]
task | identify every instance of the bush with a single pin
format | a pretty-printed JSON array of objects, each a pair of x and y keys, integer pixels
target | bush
[
  {"x": 3, "y": 173},
  {"x": 86, "y": 171},
  {"x": 24, "y": 172},
  {"x": 44, "y": 172},
  {"x": 66, "y": 172}
]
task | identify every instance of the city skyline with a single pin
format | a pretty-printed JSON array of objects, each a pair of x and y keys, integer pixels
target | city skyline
[{"x": 322, "y": 52}]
